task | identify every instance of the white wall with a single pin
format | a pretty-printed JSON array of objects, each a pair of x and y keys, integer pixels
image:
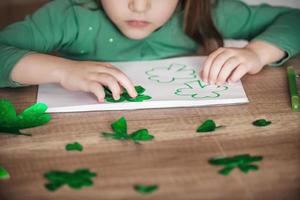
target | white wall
[{"x": 291, "y": 3}]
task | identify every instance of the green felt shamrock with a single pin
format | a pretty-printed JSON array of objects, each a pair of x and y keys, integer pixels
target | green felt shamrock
[
  {"x": 32, "y": 116},
  {"x": 125, "y": 96},
  {"x": 208, "y": 126},
  {"x": 76, "y": 180},
  {"x": 4, "y": 173},
  {"x": 120, "y": 132},
  {"x": 74, "y": 147},
  {"x": 145, "y": 189},
  {"x": 243, "y": 162},
  {"x": 261, "y": 122}
]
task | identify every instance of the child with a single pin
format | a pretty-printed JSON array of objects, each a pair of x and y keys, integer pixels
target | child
[{"x": 87, "y": 34}]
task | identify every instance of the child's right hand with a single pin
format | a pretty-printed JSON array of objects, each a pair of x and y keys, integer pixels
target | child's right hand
[{"x": 92, "y": 76}]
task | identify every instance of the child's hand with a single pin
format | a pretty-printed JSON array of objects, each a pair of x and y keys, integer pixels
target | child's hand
[
  {"x": 230, "y": 64},
  {"x": 92, "y": 76}
]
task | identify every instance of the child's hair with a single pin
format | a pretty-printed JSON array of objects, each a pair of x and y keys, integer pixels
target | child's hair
[{"x": 198, "y": 23}]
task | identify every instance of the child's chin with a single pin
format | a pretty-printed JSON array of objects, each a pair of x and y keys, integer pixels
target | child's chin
[{"x": 136, "y": 35}]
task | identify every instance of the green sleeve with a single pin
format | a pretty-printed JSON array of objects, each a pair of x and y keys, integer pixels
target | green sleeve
[
  {"x": 50, "y": 28},
  {"x": 279, "y": 26}
]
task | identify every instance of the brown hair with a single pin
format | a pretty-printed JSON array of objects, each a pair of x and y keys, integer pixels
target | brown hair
[{"x": 198, "y": 24}]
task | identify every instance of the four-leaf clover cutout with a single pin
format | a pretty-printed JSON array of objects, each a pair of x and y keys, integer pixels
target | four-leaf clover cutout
[
  {"x": 120, "y": 132},
  {"x": 12, "y": 123}
]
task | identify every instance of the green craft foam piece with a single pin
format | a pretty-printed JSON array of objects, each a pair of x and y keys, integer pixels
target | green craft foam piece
[
  {"x": 243, "y": 162},
  {"x": 208, "y": 126},
  {"x": 32, "y": 116},
  {"x": 4, "y": 173},
  {"x": 125, "y": 96},
  {"x": 120, "y": 132},
  {"x": 145, "y": 189},
  {"x": 74, "y": 147},
  {"x": 261, "y": 122},
  {"x": 75, "y": 180}
]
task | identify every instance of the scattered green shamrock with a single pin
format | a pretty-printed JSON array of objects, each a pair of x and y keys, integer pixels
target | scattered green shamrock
[
  {"x": 199, "y": 90},
  {"x": 261, "y": 122},
  {"x": 12, "y": 123},
  {"x": 125, "y": 96},
  {"x": 120, "y": 132},
  {"x": 208, "y": 126},
  {"x": 171, "y": 73},
  {"x": 75, "y": 180},
  {"x": 240, "y": 161},
  {"x": 4, "y": 173},
  {"x": 74, "y": 147},
  {"x": 145, "y": 189}
]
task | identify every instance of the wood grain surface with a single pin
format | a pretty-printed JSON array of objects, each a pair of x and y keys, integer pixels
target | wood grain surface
[{"x": 176, "y": 160}]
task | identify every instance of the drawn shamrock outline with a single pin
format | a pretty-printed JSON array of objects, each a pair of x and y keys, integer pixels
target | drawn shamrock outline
[
  {"x": 181, "y": 68},
  {"x": 179, "y": 91}
]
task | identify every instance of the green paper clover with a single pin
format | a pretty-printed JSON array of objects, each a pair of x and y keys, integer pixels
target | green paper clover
[
  {"x": 199, "y": 90},
  {"x": 120, "y": 132},
  {"x": 243, "y": 162},
  {"x": 171, "y": 73},
  {"x": 125, "y": 96},
  {"x": 76, "y": 180},
  {"x": 145, "y": 189},
  {"x": 208, "y": 126},
  {"x": 32, "y": 116},
  {"x": 261, "y": 122},
  {"x": 74, "y": 147},
  {"x": 4, "y": 173}
]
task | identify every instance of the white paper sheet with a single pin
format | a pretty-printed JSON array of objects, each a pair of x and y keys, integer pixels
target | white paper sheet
[{"x": 170, "y": 82}]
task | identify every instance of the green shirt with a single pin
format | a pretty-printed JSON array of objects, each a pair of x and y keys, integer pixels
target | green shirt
[{"x": 77, "y": 32}]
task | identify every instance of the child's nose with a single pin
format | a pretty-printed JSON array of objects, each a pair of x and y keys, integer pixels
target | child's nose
[{"x": 139, "y": 6}]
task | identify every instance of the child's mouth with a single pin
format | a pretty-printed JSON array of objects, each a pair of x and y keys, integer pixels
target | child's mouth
[{"x": 137, "y": 23}]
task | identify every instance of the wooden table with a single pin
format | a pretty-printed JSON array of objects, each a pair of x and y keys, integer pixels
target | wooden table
[{"x": 176, "y": 160}]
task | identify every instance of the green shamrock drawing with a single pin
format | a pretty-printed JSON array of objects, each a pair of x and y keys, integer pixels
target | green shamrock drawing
[
  {"x": 76, "y": 180},
  {"x": 171, "y": 73},
  {"x": 32, "y": 116},
  {"x": 120, "y": 132},
  {"x": 125, "y": 96},
  {"x": 243, "y": 162},
  {"x": 199, "y": 90}
]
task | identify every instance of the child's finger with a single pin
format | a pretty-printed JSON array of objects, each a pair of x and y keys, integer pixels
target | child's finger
[
  {"x": 97, "y": 90},
  {"x": 227, "y": 69},
  {"x": 217, "y": 65},
  {"x": 208, "y": 62},
  {"x": 121, "y": 78},
  {"x": 238, "y": 73},
  {"x": 111, "y": 83}
]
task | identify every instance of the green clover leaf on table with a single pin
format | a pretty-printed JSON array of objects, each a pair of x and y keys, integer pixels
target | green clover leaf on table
[
  {"x": 74, "y": 147},
  {"x": 199, "y": 90},
  {"x": 76, "y": 180},
  {"x": 32, "y": 116},
  {"x": 243, "y": 162},
  {"x": 145, "y": 189},
  {"x": 261, "y": 122},
  {"x": 4, "y": 173},
  {"x": 120, "y": 132},
  {"x": 171, "y": 73},
  {"x": 125, "y": 96},
  {"x": 208, "y": 126}
]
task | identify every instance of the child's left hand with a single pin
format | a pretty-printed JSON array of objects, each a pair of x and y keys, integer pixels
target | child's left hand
[{"x": 230, "y": 64}]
